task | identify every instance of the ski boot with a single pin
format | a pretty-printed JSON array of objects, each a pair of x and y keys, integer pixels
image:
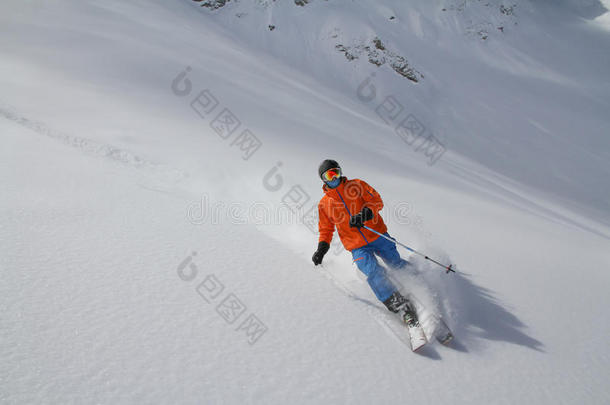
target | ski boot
[{"x": 400, "y": 305}]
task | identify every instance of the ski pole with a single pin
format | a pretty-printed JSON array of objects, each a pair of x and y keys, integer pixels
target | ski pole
[{"x": 447, "y": 268}]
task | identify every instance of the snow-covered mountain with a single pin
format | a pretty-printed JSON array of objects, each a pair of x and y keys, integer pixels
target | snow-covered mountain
[{"x": 159, "y": 173}]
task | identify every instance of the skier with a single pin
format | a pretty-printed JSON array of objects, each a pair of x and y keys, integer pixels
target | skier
[{"x": 347, "y": 205}]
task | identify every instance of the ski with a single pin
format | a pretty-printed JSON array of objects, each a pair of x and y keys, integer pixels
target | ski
[
  {"x": 442, "y": 333},
  {"x": 417, "y": 337}
]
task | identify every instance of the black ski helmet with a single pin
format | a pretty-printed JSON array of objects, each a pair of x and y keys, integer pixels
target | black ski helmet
[{"x": 327, "y": 165}]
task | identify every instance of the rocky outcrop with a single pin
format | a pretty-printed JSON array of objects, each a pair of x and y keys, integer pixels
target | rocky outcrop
[
  {"x": 212, "y": 4},
  {"x": 377, "y": 54}
]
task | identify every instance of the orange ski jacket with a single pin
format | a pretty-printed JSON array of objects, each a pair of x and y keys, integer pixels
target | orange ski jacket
[{"x": 340, "y": 203}]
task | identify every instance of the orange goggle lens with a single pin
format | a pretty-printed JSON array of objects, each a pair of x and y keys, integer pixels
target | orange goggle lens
[{"x": 331, "y": 174}]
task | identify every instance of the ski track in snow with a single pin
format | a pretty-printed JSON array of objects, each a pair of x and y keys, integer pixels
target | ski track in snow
[{"x": 161, "y": 172}]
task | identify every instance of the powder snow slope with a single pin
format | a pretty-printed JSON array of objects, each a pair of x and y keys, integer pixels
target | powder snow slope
[{"x": 111, "y": 180}]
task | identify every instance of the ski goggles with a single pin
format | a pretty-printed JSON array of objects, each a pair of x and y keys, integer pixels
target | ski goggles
[{"x": 331, "y": 174}]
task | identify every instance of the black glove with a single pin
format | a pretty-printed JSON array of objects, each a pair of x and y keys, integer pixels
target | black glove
[
  {"x": 319, "y": 254},
  {"x": 358, "y": 220}
]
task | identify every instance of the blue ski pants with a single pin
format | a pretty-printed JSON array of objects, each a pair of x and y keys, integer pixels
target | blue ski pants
[{"x": 366, "y": 260}]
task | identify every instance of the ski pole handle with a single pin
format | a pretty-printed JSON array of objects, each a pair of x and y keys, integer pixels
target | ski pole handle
[{"x": 448, "y": 269}]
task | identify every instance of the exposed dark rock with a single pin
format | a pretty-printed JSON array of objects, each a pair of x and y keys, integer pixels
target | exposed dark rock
[
  {"x": 212, "y": 4},
  {"x": 378, "y": 44},
  {"x": 347, "y": 52},
  {"x": 400, "y": 66},
  {"x": 508, "y": 10}
]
